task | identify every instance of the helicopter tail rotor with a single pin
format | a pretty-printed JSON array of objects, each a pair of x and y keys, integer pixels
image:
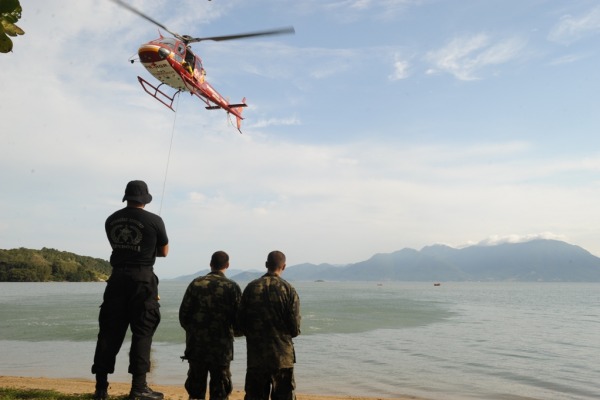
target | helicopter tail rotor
[{"x": 238, "y": 116}]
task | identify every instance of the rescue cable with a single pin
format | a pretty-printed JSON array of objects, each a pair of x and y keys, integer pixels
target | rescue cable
[{"x": 162, "y": 197}]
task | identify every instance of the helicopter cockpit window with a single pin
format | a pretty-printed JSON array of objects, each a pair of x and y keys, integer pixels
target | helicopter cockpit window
[
  {"x": 181, "y": 49},
  {"x": 169, "y": 42},
  {"x": 199, "y": 64}
]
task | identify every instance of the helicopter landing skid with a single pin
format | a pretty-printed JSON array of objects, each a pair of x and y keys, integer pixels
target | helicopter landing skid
[{"x": 158, "y": 94}]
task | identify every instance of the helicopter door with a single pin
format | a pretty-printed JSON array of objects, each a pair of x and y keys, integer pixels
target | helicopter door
[
  {"x": 190, "y": 61},
  {"x": 199, "y": 72}
]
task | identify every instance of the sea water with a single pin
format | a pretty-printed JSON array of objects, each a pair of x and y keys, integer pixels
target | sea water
[{"x": 497, "y": 341}]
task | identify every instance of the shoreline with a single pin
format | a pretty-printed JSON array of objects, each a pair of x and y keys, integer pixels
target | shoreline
[{"x": 173, "y": 392}]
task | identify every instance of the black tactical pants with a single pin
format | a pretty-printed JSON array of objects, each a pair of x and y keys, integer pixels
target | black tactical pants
[
  {"x": 278, "y": 383},
  {"x": 130, "y": 300},
  {"x": 220, "y": 381}
]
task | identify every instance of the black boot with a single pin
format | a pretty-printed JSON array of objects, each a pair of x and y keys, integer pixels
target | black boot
[
  {"x": 145, "y": 393},
  {"x": 141, "y": 391},
  {"x": 101, "y": 392}
]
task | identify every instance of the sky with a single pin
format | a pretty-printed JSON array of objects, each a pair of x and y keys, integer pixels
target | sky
[{"x": 379, "y": 125}]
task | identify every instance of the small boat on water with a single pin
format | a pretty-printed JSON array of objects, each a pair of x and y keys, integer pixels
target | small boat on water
[{"x": 437, "y": 284}]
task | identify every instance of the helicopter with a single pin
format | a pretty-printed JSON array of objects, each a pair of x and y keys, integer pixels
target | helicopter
[{"x": 172, "y": 62}]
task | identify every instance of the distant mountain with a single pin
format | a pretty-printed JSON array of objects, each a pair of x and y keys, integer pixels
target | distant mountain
[
  {"x": 536, "y": 260},
  {"x": 233, "y": 274},
  {"x": 246, "y": 276}
]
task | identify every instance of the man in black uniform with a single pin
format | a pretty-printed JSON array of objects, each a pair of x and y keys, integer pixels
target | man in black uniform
[
  {"x": 269, "y": 317},
  {"x": 137, "y": 237}
]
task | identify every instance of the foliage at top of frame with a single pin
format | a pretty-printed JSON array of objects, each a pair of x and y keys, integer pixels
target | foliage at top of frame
[{"x": 10, "y": 13}]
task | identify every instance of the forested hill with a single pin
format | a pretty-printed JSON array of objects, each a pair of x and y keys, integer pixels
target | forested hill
[{"x": 50, "y": 265}]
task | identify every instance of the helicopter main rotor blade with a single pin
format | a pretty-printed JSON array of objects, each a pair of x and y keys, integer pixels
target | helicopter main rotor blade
[
  {"x": 141, "y": 14},
  {"x": 280, "y": 31}
]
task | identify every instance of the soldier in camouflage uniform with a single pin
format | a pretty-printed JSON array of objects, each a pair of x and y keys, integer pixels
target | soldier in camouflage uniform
[
  {"x": 208, "y": 314},
  {"x": 269, "y": 318}
]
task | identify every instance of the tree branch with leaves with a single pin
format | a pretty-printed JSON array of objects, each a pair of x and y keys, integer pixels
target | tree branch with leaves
[{"x": 10, "y": 13}]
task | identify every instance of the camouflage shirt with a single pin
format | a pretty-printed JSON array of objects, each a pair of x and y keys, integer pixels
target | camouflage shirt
[
  {"x": 269, "y": 318},
  {"x": 208, "y": 315}
]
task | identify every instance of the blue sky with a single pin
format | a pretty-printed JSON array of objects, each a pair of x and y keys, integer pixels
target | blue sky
[{"x": 379, "y": 125}]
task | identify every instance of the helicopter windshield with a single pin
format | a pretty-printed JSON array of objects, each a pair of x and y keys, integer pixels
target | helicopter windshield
[
  {"x": 169, "y": 42},
  {"x": 176, "y": 46}
]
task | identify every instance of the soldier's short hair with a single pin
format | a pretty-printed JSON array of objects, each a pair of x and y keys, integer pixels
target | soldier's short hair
[
  {"x": 219, "y": 260},
  {"x": 275, "y": 260}
]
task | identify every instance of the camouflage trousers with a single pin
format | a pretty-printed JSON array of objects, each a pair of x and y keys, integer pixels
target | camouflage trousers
[
  {"x": 220, "y": 386},
  {"x": 277, "y": 384}
]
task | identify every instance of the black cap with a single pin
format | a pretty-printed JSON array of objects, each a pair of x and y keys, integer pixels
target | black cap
[{"x": 137, "y": 191}]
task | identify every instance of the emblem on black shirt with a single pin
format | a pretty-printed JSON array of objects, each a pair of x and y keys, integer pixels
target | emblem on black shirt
[{"x": 126, "y": 235}]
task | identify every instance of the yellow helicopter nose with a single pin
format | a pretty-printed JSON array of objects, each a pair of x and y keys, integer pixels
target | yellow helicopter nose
[{"x": 152, "y": 53}]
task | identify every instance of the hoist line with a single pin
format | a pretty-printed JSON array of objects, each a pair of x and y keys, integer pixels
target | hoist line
[{"x": 162, "y": 197}]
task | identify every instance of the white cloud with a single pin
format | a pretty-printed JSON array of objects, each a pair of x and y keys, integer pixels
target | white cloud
[
  {"x": 251, "y": 193},
  {"x": 302, "y": 195},
  {"x": 385, "y": 5},
  {"x": 401, "y": 70},
  {"x": 349, "y": 11},
  {"x": 466, "y": 57},
  {"x": 197, "y": 197},
  {"x": 515, "y": 238},
  {"x": 571, "y": 28},
  {"x": 569, "y": 59},
  {"x": 263, "y": 123}
]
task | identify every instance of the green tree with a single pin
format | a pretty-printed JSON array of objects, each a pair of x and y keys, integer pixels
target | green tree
[
  {"x": 25, "y": 274},
  {"x": 81, "y": 275},
  {"x": 10, "y": 13}
]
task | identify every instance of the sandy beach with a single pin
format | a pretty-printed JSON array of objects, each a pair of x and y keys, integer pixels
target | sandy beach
[{"x": 79, "y": 386}]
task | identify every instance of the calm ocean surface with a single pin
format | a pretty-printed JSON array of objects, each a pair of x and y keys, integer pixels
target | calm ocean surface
[{"x": 503, "y": 341}]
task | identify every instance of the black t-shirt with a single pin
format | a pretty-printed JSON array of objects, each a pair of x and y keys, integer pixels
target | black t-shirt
[{"x": 134, "y": 235}]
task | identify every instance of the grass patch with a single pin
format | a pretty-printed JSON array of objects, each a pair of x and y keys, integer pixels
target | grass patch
[
  {"x": 37, "y": 394},
  {"x": 12, "y": 393}
]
